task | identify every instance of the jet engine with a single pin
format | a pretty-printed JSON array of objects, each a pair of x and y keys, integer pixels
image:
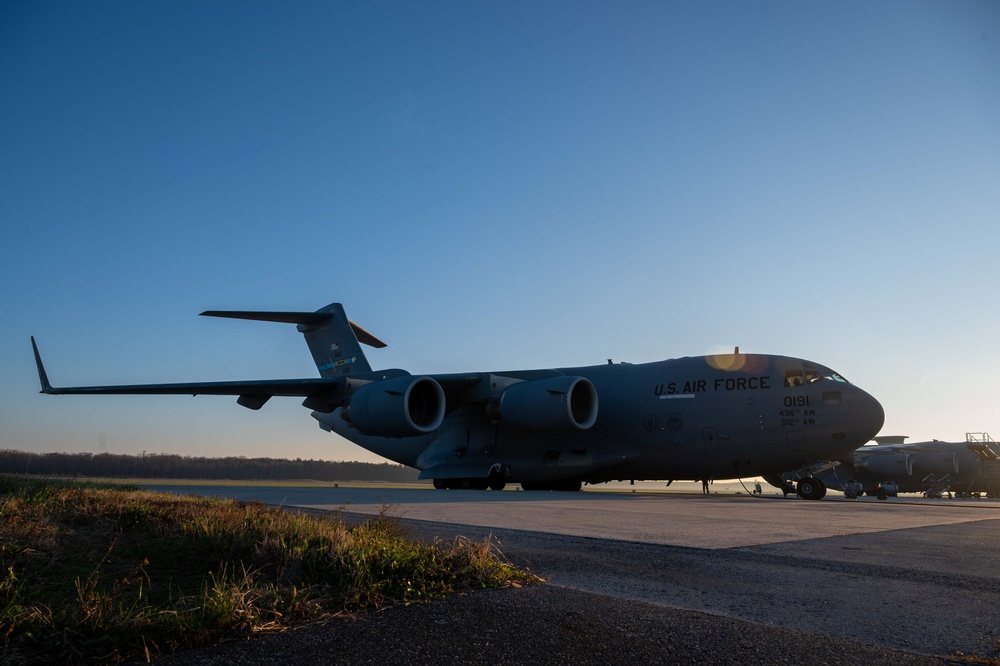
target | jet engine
[
  {"x": 557, "y": 404},
  {"x": 935, "y": 463},
  {"x": 398, "y": 407},
  {"x": 887, "y": 465}
]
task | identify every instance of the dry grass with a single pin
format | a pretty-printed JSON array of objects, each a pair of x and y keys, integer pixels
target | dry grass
[{"x": 105, "y": 573}]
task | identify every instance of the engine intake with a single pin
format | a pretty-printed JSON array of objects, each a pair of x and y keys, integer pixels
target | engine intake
[
  {"x": 887, "y": 465},
  {"x": 554, "y": 405},
  {"x": 397, "y": 407}
]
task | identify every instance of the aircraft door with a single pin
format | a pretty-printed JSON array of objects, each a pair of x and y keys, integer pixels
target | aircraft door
[{"x": 711, "y": 438}]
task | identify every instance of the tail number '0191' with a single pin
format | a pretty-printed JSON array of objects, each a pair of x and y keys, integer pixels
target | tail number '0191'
[{"x": 796, "y": 401}]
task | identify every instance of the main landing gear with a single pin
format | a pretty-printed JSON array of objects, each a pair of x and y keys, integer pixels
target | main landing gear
[{"x": 811, "y": 488}]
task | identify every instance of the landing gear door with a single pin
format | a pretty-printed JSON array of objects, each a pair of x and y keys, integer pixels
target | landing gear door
[{"x": 797, "y": 441}]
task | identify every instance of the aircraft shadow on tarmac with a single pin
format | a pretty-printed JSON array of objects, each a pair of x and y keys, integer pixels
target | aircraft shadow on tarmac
[{"x": 290, "y": 495}]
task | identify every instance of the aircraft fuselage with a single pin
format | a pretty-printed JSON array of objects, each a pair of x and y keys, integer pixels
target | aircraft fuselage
[{"x": 713, "y": 417}]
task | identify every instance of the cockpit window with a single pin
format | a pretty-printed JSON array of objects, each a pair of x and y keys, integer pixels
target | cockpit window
[
  {"x": 811, "y": 375},
  {"x": 794, "y": 378}
]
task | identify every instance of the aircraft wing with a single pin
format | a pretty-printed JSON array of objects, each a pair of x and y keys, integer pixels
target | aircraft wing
[{"x": 253, "y": 393}]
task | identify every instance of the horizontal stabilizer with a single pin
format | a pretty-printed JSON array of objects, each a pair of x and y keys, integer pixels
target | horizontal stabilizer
[
  {"x": 308, "y": 318},
  {"x": 282, "y": 317},
  {"x": 365, "y": 337}
]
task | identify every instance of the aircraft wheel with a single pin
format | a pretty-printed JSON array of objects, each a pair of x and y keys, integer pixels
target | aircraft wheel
[
  {"x": 822, "y": 489},
  {"x": 809, "y": 488},
  {"x": 440, "y": 484},
  {"x": 497, "y": 482}
]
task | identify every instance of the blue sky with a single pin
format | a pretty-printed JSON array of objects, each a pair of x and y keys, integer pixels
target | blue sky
[{"x": 491, "y": 186}]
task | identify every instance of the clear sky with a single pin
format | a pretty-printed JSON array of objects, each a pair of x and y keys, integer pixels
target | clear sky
[{"x": 489, "y": 186}]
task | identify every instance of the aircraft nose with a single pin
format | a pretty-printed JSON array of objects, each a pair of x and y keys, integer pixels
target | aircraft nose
[{"x": 867, "y": 414}]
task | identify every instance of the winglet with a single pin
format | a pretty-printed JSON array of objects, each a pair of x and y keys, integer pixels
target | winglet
[{"x": 42, "y": 377}]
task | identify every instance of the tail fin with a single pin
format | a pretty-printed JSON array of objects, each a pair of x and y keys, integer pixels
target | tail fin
[{"x": 334, "y": 340}]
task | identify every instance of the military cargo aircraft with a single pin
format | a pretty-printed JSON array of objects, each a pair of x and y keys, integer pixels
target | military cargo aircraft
[
  {"x": 725, "y": 416},
  {"x": 932, "y": 468}
]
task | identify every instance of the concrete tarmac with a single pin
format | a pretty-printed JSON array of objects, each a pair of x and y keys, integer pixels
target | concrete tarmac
[
  {"x": 912, "y": 574},
  {"x": 676, "y": 519}
]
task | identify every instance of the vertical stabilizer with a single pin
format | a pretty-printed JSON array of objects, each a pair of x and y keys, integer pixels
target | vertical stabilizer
[
  {"x": 334, "y": 340},
  {"x": 334, "y": 344}
]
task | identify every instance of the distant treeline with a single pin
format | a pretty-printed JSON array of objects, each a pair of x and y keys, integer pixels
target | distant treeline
[{"x": 167, "y": 466}]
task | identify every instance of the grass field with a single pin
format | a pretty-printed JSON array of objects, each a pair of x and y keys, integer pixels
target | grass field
[{"x": 106, "y": 572}]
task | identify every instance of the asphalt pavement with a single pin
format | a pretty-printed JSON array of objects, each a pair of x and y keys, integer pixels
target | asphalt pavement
[{"x": 908, "y": 574}]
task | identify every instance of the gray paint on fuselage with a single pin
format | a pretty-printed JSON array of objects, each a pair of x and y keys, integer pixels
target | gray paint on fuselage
[{"x": 651, "y": 424}]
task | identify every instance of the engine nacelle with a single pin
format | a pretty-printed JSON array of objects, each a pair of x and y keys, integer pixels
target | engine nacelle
[
  {"x": 887, "y": 465},
  {"x": 935, "y": 463},
  {"x": 557, "y": 404},
  {"x": 397, "y": 407}
]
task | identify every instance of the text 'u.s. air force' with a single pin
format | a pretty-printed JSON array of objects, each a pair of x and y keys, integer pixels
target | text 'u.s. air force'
[{"x": 722, "y": 384}]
